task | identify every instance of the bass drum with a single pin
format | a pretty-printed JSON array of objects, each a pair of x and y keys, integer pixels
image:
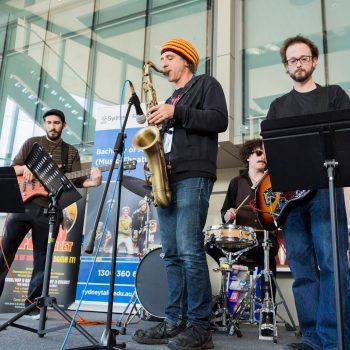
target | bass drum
[{"x": 151, "y": 282}]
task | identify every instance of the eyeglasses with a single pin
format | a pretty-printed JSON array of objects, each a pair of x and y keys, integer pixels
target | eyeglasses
[
  {"x": 258, "y": 152},
  {"x": 303, "y": 60}
]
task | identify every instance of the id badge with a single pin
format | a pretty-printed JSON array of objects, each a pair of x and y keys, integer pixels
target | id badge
[{"x": 168, "y": 140}]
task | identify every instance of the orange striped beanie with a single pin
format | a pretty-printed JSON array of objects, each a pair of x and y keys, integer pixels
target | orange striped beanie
[{"x": 183, "y": 48}]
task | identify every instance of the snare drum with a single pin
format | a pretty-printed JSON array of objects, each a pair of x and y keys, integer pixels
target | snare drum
[
  {"x": 151, "y": 282},
  {"x": 231, "y": 236}
]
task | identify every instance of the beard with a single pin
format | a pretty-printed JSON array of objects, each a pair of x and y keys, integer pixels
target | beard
[
  {"x": 54, "y": 137},
  {"x": 302, "y": 77}
]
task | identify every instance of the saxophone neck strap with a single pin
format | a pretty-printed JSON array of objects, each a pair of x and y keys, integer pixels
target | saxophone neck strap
[{"x": 179, "y": 93}]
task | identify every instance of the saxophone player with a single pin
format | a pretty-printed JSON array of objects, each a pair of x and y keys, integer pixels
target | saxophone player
[{"x": 191, "y": 120}]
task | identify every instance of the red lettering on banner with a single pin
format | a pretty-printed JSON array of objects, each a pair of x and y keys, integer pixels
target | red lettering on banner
[
  {"x": 63, "y": 246},
  {"x": 27, "y": 243}
]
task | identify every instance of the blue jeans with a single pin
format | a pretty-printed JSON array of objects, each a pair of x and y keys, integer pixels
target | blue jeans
[
  {"x": 181, "y": 230},
  {"x": 308, "y": 239}
]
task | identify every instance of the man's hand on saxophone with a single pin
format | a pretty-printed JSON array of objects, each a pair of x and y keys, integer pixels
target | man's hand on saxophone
[{"x": 158, "y": 113}]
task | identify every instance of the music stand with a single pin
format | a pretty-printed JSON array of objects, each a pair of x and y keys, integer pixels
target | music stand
[
  {"x": 9, "y": 189},
  {"x": 61, "y": 194},
  {"x": 298, "y": 150}
]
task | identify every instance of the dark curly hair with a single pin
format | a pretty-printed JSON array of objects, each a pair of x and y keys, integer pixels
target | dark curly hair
[
  {"x": 247, "y": 149},
  {"x": 298, "y": 39}
]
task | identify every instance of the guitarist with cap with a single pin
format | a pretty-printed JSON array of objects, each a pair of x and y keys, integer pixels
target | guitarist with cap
[{"x": 35, "y": 217}]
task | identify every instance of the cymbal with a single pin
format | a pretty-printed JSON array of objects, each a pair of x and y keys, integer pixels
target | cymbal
[{"x": 136, "y": 185}]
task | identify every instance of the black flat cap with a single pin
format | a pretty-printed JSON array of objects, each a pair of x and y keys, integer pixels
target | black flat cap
[{"x": 56, "y": 112}]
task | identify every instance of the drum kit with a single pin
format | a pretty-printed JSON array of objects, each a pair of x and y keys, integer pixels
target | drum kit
[{"x": 150, "y": 296}]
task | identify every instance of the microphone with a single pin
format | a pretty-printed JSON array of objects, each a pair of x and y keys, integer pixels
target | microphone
[{"x": 140, "y": 117}]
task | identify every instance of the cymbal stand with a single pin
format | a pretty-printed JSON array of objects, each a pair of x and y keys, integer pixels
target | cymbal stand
[
  {"x": 267, "y": 324},
  {"x": 149, "y": 201},
  {"x": 134, "y": 311},
  {"x": 268, "y": 304}
]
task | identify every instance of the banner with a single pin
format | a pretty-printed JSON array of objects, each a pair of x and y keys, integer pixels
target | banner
[
  {"x": 132, "y": 243},
  {"x": 65, "y": 263}
]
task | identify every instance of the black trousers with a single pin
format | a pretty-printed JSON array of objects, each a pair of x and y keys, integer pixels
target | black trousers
[{"x": 17, "y": 226}]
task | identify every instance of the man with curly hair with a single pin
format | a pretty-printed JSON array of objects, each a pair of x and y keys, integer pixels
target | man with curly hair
[{"x": 253, "y": 155}]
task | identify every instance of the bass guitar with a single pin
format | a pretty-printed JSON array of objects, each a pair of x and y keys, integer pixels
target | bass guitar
[
  {"x": 34, "y": 188},
  {"x": 271, "y": 207}
]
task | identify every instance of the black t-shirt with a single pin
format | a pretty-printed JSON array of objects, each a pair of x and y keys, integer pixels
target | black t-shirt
[{"x": 321, "y": 99}]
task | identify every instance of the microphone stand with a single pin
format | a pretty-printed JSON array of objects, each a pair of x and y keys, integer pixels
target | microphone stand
[{"x": 108, "y": 339}]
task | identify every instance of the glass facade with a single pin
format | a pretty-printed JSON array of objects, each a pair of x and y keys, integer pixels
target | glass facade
[
  {"x": 75, "y": 55},
  {"x": 266, "y": 24}
]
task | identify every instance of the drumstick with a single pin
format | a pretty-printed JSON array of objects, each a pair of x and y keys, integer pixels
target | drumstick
[{"x": 244, "y": 200}]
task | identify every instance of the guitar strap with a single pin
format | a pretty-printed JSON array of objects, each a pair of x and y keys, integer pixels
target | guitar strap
[{"x": 64, "y": 156}]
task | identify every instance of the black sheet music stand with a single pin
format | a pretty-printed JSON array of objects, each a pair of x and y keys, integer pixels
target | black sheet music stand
[
  {"x": 61, "y": 193},
  {"x": 303, "y": 152},
  {"x": 11, "y": 197}
]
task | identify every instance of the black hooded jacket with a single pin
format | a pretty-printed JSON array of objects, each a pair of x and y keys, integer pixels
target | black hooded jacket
[{"x": 200, "y": 114}]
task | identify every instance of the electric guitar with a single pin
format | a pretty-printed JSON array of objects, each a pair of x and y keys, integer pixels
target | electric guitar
[
  {"x": 34, "y": 188},
  {"x": 272, "y": 206}
]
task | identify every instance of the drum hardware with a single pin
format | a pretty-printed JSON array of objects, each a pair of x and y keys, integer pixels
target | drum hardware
[
  {"x": 146, "y": 228},
  {"x": 131, "y": 311},
  {"x": 222, "y": 316},
  {"x": 268, "y": 313},
  {"x": 136, "y": 185},
  {"x": 231, "y": 236},
  {"x": 222, "y": 319}
]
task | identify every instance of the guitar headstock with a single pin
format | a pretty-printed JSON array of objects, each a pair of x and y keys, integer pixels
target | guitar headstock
[{"x": 129, "y": 165}]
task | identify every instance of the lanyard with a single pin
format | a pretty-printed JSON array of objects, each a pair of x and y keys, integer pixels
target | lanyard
[{"x": 175, "y": 99}]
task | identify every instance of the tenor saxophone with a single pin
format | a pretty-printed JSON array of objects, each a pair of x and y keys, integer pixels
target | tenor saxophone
[{"x": 149, "y": 140}]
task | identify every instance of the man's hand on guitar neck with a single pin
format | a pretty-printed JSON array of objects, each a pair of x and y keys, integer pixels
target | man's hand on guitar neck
[
  {"x": 95, "y": 178},
  {"x": 24, "y": 171}
]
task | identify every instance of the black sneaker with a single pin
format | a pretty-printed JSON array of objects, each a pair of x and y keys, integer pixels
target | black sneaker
[
  {"x": 159, "y": 334},
  {"x": 193, "y": 338},
  {"x": 267, "y": 326}
]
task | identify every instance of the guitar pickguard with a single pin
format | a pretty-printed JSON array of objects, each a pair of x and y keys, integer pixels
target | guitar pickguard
[
  {"x": 272, "y": 205},
  {"x": 274, "y": 200}
]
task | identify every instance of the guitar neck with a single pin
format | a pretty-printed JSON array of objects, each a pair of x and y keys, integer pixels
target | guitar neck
[
  {"x": 85, "y": 172},
  {"x": 80, "y": 173}
]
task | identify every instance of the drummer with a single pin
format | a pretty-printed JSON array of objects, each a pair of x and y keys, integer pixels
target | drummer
[{"x": 253, "y": 156}]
